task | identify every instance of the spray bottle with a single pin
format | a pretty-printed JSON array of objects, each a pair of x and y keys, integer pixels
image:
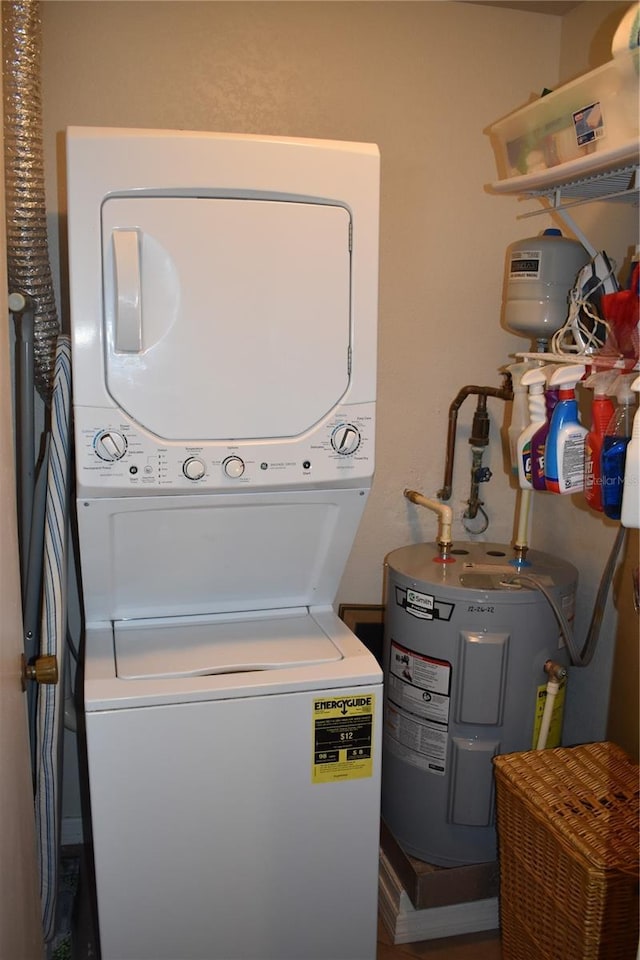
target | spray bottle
[
  {"x": 519, "y": 410},
  {"x": 602, "y": 410},
  {"x": 614, "y": 447},
  {"x": 564, "y": 450},
  {"x": 630, "y": 514},
  {"x": 539, "y": 439},
  {"x": 535, "y": 380}
]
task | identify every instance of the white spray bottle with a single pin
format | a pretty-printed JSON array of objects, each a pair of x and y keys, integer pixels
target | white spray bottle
[
  {"x": 614, "y": 446},
  {"x": 519, "y": 410},
  {"x": 535, "y": 380},
  {"x": 539, "y": 439},
  {"x": 630, "y": 515}
]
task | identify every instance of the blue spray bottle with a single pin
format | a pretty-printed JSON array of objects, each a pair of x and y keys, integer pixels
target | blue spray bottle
[
  {"x": 564, "y": 449},
  {"x": 614, "y": 447}
]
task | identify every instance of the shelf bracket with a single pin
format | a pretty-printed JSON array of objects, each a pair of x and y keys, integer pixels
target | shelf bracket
[
  {"x": 555, "y": 204},
  {"x": 568, "y": 220}
]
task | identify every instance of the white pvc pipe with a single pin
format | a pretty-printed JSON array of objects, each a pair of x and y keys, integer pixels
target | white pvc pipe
[
  {"x": 552, "y": 689},
  {"x": 524, "y": 506},
  {"x": 445, "y": 513}
]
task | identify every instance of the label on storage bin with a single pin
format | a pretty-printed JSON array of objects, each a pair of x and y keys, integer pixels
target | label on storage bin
[
  {"x": 342, "y": 737},
  {"x": 589, "y": 123},
  {"x": 418, "y": 703}
]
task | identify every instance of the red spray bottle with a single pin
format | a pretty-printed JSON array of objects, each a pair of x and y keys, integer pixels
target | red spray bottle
[{"x": 602, "y": 410}]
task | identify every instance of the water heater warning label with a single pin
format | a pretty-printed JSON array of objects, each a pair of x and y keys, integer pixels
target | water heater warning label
[
  {"x": 342, "y": 737},
  {"x": 418, "y": 702}
]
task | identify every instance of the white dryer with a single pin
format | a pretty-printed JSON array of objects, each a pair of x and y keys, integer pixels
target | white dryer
[{"x": 223, "y": 295}]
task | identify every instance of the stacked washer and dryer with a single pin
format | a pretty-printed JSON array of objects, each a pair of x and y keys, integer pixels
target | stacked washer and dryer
[{"x": 223, "y": 298}]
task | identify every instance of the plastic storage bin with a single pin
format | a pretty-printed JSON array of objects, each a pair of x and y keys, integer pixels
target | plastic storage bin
[
  {"x": 568, "y": 852},
  {"x": 597, "y": 112}
]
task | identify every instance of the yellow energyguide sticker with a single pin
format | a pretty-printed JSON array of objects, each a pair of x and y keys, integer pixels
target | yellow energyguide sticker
[{"x": 342, "y": 737}]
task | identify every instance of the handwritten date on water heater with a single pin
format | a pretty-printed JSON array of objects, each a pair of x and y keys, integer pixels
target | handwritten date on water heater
[{"x": 479, "y": 608}]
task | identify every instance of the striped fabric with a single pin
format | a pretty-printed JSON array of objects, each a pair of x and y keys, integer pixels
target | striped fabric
[{"x": 54, "y": 625}]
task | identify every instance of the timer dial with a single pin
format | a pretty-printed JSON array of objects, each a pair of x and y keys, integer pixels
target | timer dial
[
  {"x": 233, "y": 467},
  {"x": 193, "y": 468},
  {"x": 345, "y": 439},
  {"x": 110, "y": 446}
]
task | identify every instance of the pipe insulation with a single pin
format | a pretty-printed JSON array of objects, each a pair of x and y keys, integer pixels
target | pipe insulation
[{"x": 28, "y": 266}]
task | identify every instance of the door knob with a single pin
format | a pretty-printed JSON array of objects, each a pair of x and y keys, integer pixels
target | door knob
[{"x": 43, "y": 670}]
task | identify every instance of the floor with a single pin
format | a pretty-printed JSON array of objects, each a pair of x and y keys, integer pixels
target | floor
[
  {"x": 471, "y": 946},
  {"x": 479, "y": 946}
]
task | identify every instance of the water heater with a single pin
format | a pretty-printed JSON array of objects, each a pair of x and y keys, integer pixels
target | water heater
[{"x": 464, "y": 651}]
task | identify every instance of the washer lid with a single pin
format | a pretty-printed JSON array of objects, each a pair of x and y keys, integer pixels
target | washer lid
[{"x": 196, "y": 647}]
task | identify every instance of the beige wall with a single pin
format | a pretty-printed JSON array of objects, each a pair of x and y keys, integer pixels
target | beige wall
[{"x": 423, "y": 80}]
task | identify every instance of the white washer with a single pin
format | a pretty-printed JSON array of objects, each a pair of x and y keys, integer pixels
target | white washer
[{"x": 223, "y": 304}]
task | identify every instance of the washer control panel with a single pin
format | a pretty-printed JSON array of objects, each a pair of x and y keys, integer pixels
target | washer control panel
[{"x": 117, "y": 456}]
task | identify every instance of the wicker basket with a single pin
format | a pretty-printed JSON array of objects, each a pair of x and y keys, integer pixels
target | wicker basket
[{"x": 568, "y": 844}]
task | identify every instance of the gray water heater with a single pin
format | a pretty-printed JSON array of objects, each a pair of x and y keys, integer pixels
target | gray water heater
[{"x": 465, "y": 645}]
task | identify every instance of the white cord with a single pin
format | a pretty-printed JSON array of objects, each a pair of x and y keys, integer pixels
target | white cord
[{"x": 575, "y": 336}]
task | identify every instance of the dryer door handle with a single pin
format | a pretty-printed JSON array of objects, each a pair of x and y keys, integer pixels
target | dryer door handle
[{"x": 128, "y": 291}]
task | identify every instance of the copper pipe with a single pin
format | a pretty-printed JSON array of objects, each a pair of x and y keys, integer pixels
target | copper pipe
[{"x": 501, "y": 393}]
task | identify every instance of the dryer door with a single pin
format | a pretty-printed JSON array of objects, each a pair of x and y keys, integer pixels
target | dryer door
[{"x": 226, "y": 318}]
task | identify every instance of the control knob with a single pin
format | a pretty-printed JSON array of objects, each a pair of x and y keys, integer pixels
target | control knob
[
  {"x": 110, "y": 446},
  {"x": 194, "y": 468},
  {"x": 233, "y": 467},
  {"x": 345, "y": 439}
]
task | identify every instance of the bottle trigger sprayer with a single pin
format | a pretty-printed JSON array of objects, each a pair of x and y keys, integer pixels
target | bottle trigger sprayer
[
  {"x": 602, "y": 410},
  {"x": 519, "y": 410},
  {"x": 539, "y": 439},
  {"x": 564, "y": 449},
  {"x": 535, "y": 380},
  {"x": 630, "y": 515},
  {"x": 614, "y": 447}
]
